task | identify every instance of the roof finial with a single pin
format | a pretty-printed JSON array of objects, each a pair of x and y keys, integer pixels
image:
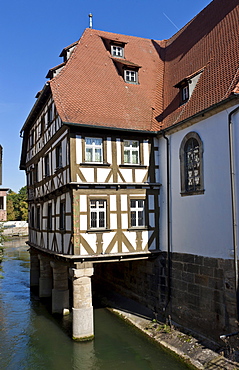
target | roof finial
[{"x": 90, "y": 16}]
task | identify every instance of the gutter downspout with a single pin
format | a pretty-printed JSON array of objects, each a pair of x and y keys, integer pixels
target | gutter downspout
[
  {"x": 168, "y": 224},
  {"x": 233, "y": 203}
]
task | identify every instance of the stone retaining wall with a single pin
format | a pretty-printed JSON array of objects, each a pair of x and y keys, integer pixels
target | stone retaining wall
[
  {"x": 16, "y": 231},
  {"x": 202, "y": 289}
]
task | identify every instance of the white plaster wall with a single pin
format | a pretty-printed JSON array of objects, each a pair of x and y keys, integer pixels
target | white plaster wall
[
  {"x": 146, "y": 152},
  {"x": 127, "y": 174},
  {"x": 78, "y": 149},
  {"x": 109, "y": 150},
  {"x": 68, "y": 202},
  {"x": 151, "y": 201},
  {"x": 118, "y": 151},
  {"x": 151, "y": 220},
  {"x": 124, "y": 202},
  {"x": 64, "y": 152},
  {"x": 200, "y": 224},
  {"x": 113, "y": 203},
  {"x": 140, "y": 174},
  {"x": 88, "y": 174},
  {"x": 102, "y": 174},
  {"x": 113, "y": 221}
]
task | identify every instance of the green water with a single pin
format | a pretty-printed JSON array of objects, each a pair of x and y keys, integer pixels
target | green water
[{"x": 31, "y": 338}]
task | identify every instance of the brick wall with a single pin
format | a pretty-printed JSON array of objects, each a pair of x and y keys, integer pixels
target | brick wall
[{"x": 202, "y": 289}]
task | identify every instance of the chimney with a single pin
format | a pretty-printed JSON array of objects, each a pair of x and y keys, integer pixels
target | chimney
[{"x": 90, "y": 16}]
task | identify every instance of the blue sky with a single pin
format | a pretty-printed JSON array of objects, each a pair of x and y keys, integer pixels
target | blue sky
[{"x": 33, "y": 33}]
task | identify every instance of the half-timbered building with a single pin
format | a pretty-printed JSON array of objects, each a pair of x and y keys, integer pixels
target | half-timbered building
[{"x": 130, "y": 153}]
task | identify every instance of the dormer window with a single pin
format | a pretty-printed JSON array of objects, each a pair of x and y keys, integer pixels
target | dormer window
[
  {"x": 185, "y": 93},
  {"x": 117, "y": 51},
  {"x": 131, "y": 76},
  {"x": 187, "y": 85}
]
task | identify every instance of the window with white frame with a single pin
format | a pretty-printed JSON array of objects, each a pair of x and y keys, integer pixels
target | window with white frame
[
  {"x": 117, "y": 51},
  {"x": 98, "y": 214},
  {"x": 185, "y": 93},
  {"x": 131, "y": 151},
  {"x": 93, "y": 149},
  {"x": 137, "y": 210},
  {"x": 131, "y": 76}
]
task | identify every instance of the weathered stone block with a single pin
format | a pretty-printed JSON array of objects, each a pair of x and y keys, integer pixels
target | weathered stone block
[
  {"x": 216, "y": 283},
  {"x": 201, "y": 280},
  {"x": 218, "y": 273},
  {"x": 188, "y": 277},
  {"x": 210, "y": 262},
  {"x": 193, "y": 289},
  {"x": 189, "y": 258},
  {"x": 198, "y": 260},
  {"x": 177, "y": 265},
  {"x": 83, "y": 325},
  {"x": 205, "y": 270},
  {"x": 191, "y": 268}
]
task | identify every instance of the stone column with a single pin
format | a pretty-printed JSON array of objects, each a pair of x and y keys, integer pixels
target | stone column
[
  {"x": 60, "y": 291},
  {"x": 34, "y": 269},
  {"x": 83, "y": 326},
  {"x": 45, "y": 281}
]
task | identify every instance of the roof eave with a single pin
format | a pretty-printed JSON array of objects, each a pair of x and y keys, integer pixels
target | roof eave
[
  {"x": 109, "y": 128},
  {"x": 169, "y": 128},
  {"x": 44, "y": 94}
]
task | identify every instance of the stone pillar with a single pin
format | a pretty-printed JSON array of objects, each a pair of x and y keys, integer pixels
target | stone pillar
[
  {"x": 60, "y": 291},
  {"x": 45, "y": 281},
  {"x": 34, "y": 269},
  {"x": 83, "y": 325}
]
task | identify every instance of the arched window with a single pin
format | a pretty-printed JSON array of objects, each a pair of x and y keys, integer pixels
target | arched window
[{"x": 191, "y": 164}]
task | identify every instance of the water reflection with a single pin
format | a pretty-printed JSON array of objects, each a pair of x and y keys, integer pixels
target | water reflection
[{"x": 31, "y": 338}]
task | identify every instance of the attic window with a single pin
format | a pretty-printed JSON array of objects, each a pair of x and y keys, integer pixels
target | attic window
[
  {"x": 187, "y": 85},
  {"x": 117, "y": 51},
  {"x": 130, "y": 76},
  {"x": 185, "y": 93}
]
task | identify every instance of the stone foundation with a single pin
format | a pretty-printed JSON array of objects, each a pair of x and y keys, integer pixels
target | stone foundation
[{"x": 202, "y": 289}]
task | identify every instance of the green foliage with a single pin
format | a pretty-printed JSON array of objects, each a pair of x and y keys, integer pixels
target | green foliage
[
  {"x": 2, "y": 239},
  {"x": 17, "y": 208}
]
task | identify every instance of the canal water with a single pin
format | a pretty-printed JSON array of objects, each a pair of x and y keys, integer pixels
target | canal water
[{"x": 31, "y": 338}]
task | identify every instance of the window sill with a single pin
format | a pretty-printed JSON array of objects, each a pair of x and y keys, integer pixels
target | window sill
[
  {"x": 90, "y": 164},
  {"x": 90, "y": 231},
  {"x": 138, "y": 228},
  {"x": 131, "y": 82},
  {"x": 195, "y": 192},
  {"x": 132, "y": 165}
]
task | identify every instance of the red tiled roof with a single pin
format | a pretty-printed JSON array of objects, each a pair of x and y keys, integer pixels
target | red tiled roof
[
  {"x": 89, "y": 89},
  {"x": 211, "y": 41}
]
